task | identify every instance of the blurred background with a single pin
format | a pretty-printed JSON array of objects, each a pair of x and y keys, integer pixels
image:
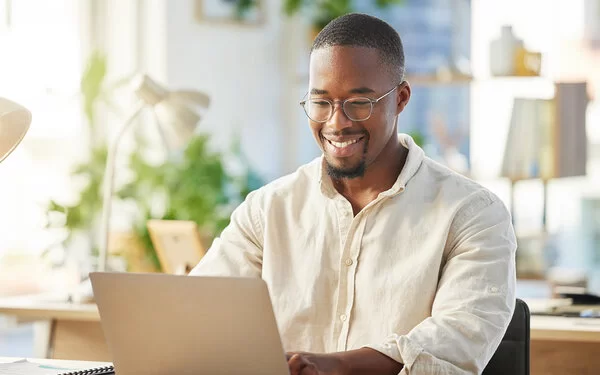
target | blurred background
[{"x": 504, "y": 92}]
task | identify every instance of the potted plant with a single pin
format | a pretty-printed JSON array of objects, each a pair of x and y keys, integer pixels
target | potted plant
[
  {"x": 321, "y": 12},
  {"x": 196, "y": 187}
]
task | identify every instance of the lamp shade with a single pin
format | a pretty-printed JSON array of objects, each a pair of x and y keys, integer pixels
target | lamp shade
[
  {"x": 14, "y": 123},
  {"x": 178, "y": 112}
]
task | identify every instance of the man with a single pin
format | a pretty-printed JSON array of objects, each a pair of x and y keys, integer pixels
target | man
[{"x": 378, "y": 259}]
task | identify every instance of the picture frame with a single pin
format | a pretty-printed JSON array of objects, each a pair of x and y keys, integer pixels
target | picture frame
[
  {"x": 178, "y": 244},
  {"x": 226, "y": 12},
  {"x": 591, "y": 23}
]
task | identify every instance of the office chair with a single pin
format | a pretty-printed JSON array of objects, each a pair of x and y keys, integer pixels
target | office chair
[{"x": 512, "y": 356}]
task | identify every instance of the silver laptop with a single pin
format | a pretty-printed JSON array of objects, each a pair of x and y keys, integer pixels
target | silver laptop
[{"x": 157, "y": 324}]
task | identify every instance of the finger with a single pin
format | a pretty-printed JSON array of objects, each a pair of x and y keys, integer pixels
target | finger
[
  {"x": 310, "y": 369},
  {"x": 289, "y": 355},
  {"x": 296, "y": 364}
]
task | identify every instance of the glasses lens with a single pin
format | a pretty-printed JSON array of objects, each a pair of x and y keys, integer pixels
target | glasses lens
[
  {"x": 318, "y": 110},
  {"x": 358, "y": 109}
]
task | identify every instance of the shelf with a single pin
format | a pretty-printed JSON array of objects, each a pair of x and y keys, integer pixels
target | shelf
[
  {"x": 455, "y": 80},
  {"x": 434, "y": 80}
]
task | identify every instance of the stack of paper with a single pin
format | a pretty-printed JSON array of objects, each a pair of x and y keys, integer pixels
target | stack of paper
[{"x": 25, "y": 367}]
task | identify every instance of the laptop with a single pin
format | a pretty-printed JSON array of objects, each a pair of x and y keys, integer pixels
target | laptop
[{"x": 157, "y": 324}]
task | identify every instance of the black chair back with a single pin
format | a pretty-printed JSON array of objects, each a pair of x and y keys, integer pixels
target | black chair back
[{"x": 512, "y": 356}]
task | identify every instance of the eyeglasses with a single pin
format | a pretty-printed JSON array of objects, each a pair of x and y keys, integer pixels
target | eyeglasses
[{"x": 356, "y": 108}]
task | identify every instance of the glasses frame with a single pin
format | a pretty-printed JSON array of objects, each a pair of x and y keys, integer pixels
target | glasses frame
[{"x": 343, "y": 103}]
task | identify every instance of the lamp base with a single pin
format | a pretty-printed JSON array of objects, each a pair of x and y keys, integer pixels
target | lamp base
[{"x": 82, "y": 293}]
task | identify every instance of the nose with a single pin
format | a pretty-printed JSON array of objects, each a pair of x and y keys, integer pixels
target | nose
[{"x": 339, "y": 120}]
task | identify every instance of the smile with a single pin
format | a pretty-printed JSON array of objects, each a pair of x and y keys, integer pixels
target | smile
[
  {"x": 344, "y": 144},
  {"x": 343, "y": 148}
]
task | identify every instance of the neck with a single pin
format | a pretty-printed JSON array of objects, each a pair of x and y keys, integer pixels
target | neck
[{"x": 379, "y": 176}]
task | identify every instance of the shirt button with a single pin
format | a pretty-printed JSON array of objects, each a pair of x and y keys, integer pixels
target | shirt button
[
  {"x": 343, "y": 317},
  {"x": 349, "y": 262},
  {"x": 494, "y": 289}
]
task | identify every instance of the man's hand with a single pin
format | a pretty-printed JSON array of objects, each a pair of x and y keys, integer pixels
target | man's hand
[
  {"x": 301, "y": 363},
  {"x": 353, "y": 362}
]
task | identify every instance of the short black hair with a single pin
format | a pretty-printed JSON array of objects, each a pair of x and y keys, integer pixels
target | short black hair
[{"x": 363, "y": 30}]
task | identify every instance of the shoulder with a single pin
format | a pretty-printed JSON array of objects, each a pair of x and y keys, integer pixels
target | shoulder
[
  {"x": 473, "y": 209},
  {"x": 467, "y": 196},
  {"x": 291, "y": 186}
]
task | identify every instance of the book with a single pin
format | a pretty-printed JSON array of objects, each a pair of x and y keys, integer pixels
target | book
[{"x": 547, "y": 137}]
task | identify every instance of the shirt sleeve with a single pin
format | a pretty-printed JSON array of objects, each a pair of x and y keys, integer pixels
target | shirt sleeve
[
  {"x": 475, "y": 299},
  {"x": 238, "y": 251}
]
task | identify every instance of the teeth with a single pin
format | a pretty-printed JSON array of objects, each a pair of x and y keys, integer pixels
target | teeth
[{"x": 343, "y": 144}]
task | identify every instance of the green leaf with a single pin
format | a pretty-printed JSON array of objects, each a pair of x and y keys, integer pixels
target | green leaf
[
  {"x": 91, "y": 84},
  {"x": 386, "y": 3},
  {"x": 242, "y": 7},
  {"x": 292, "y": 6}
]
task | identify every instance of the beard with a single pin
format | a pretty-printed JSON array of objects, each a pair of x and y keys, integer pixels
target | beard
[
  {"x": 338, "y": 173},
  {"x": 353, "y": 171}
]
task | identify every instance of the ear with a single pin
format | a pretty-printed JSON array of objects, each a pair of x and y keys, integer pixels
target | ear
[{"x": 402, "y": 96}]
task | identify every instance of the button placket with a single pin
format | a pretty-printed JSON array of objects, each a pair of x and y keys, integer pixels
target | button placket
[
  {"x": 345, "y": 218},
  {"x": 347, "y": 227},
  {"x": 349, "y": 259}
]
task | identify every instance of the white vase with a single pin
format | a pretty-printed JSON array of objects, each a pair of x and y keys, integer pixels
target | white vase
[{"x": 502, "y": 52}]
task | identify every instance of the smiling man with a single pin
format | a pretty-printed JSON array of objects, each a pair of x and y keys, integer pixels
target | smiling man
[{"x": 378, "y": 259}]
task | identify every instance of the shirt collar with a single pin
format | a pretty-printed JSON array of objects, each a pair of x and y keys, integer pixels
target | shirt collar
[{"x": 413, "y": 162}]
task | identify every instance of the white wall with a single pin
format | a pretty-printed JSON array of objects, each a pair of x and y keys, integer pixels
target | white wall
[
  {"x": 40, "y": 66},
  {"x": 243, "y": 69}
]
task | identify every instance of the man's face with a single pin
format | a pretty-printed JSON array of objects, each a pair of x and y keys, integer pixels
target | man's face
[{"x": 341, "y": 72}]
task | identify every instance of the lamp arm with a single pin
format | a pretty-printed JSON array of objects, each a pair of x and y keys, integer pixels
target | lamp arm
[{"x": 108, "y": 187}]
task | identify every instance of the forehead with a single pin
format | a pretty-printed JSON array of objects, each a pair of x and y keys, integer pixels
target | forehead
[{"x": 344, "y": 68}]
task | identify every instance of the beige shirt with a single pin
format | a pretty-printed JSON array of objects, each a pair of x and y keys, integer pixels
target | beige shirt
[{"x": 424, "y": 274}]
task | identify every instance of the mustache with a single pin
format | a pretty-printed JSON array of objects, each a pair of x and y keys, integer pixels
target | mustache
[{"x": 346, "y": 133}]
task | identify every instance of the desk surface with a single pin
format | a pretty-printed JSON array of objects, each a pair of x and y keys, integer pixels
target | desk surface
[
  {"x": 560, "y": 328},
  {"x": 542, "y": 327},
  {"x": 35, "y": 309}
]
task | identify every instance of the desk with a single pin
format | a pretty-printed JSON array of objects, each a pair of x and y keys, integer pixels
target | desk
[
  {"x": 562, "y": 345},
  {"x": 558, "y": 345},
  {"x": 64, "y": 330}
]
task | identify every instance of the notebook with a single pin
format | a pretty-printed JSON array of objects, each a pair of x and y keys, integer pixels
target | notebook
[
  {"x": 106, "y": 370},
  {"x": 156, "y": 324}
]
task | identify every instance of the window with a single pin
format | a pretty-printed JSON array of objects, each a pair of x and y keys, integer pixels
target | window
[{"x": 40, "y": 67}]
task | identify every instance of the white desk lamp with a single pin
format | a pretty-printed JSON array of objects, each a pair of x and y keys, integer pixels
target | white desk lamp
[
  {"x": 14, "y": 123},
  {"x": 177, "y": 120}
]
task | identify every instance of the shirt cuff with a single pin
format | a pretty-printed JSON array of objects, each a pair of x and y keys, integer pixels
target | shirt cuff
[{"x": 399, "y": 348}]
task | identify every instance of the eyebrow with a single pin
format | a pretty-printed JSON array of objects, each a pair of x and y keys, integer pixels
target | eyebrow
[
  {"x": 358, "y": 90},
  {"x": 362, "y": 90},
  {"x": 318, "y": 92}
]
